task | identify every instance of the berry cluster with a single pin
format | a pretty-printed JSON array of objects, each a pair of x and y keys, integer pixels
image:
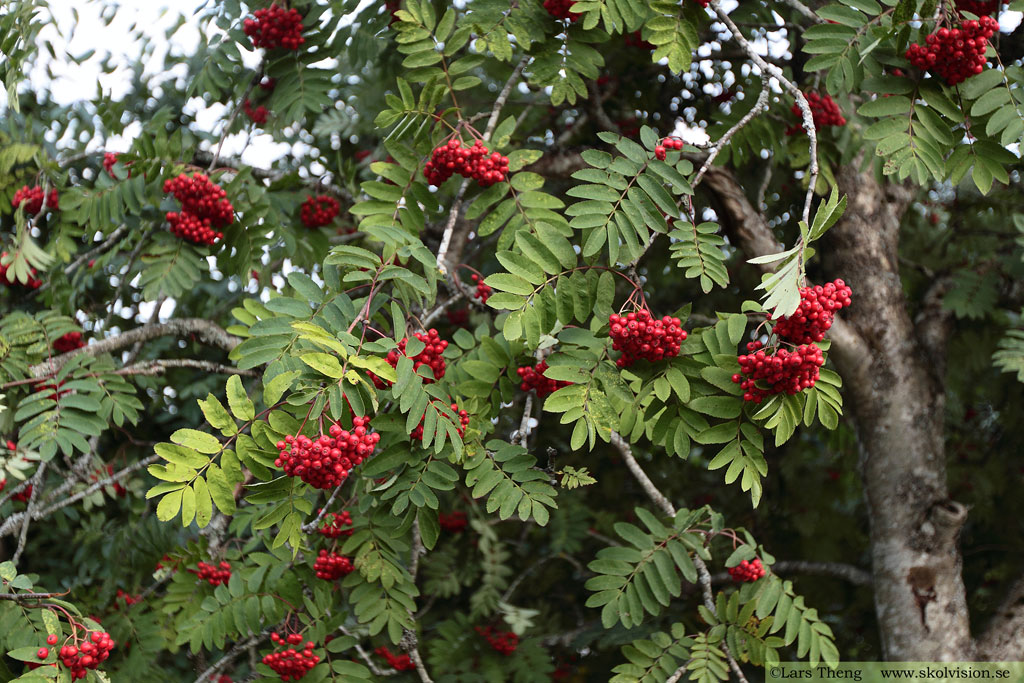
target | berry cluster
[
  {"x": 561, "y": 9},
  {"x": 291, "y": 664},
  {"x": 504, "y": 642},
  {"x": 533, "y": 378},
  {"x": 214, "y": 575},
  {"x": 462, "y": 415},
  {"x": 475, "y": 162},
  {"x": 68, "y": 342},
  {"x": 204, "y": 209},
  {"x": 128, "y": 598},
  {"x": 955, "y": 54},
  {"x": 23, "y": 495},
  {"x": 636, "y": 39},
  {"x": 396, "y": 662},
  {"x": 94, "y": 649},
  {"x": 824, "y": 111},
  {"x": 333, "y": 523},
  {"x": 430, "y": 356},
  {"x": 119, "y": 489},
  {"x": 257, "y": 115},
  {"x": 703, "y": 3},
  {"x": 32, "y": 199},
  {"x": 457, "y": 317},
  {"x": 661, "y": 151},
  {"x": 268, "y": 84},
  {"x": 330, "y": 566},
  {"x": 455, "y": 523},
  {"x": 319, "y": 211},
  {"x": 109, "y": 159},
  {"x": 785, "y": 371},
  {"x": 326, "y": 462},
  {"x": 815, "y": 314},
  {"x": 638, "y": 335},
  {"x": 31, "y": 283},
  {"x": 747, "y": 571},
  {"x": 979, "y": 7},
  {"x": 483, "y": 291},
  {"x": 275, "y": 27}
]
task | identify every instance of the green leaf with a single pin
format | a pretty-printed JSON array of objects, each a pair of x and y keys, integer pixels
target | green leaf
[{"x": 241, "y": 407}]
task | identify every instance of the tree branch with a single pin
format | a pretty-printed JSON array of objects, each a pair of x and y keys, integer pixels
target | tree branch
[
  {"x": 207, "y": 331},
  {"x": 158, "y": 367}
]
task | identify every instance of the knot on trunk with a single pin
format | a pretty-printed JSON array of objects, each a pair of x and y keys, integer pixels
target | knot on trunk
[{"x": 941, "y": 526}]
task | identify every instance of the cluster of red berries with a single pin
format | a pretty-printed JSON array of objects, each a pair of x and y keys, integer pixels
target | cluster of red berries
[
  {"x": 979, "y": 7},
  {"x": 213, "y": 574},
  {"x": 636, "y": 39},
  {"x": 483, "y": 291},
  {"x": 109, "y": 159},
  {"x": 504, "y": 642},
  {"x": 258, "y": 114},
  {"x": 291, "y": 664},
  {"x": 23, "y": 495},
  {"x": 32, "y": 198},
  {"x": 109, "y": 470},
  {"x": 326, "y": 462},
  {"x": 561, "y": 9},
  {"x": 788, "y": 372},
  {"x": 319, "y": 211},
  {"x": 330, "y": 566},
  {"x": 661, "y": 151},
  {"x": 31, "y": 283},
  {"x": 955, "y": 54},
  {"x": 204, "y": 209},
  {"x": 68, "y": 342},
  {"x": 638, "y": 335},
  {"x": 747, "y": 571},
  {"x": 475, "y": 162},
  {"x": 396, "y": 662},
  {"x": 275, "y": 27},
  {"x": 814, "y": 315},
  {"x": 533, "y": 378},
  {"x": 430, "y": 356},
  {"x": 824, "y": 112},
  {"x": 128, "y": 598},
  {"x": 703, "y": 3},
  {"x": 94, "y": 649},
  {"x": 455, "y": 523},
  {"x": 462, "y": 415},
  {"x": 457, "y": 317},
  {"x": 334, "y": 523}
]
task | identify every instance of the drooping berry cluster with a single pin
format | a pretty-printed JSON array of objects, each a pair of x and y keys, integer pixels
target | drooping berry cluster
[
  {"x": 783, "y": 372},
  {"x": 32, "y": 199},
  {"x": 291, "y": 664},
  {"x": 455, "y": 523},
  {"x": 955, "y": 55},
  {"x": 204, "y": 209},
  {"x": 214, "y": 575},
  {"x": 257, "y": 114},
  {"x": 275, "y": 27},
  {"x": 68, "y": 342},
  {"x": 462, "y": 415},
  {"x": 483, "y": 291},
  {"x": 396, "y": 662},
  {"x": 815, "y": 314},
  {"x": 824, "y": 112},
  {"x": 319, "y": 211},
  {"x": 533, "y": 378},
  {"x": 330, "y": 566},
  {"x": 504, "y": 642},
  {"x": 326, "y": 462},
  {"x": 661, "y": 151},
  {"x": 475, "y": 161},
  {"x": 334, "y": 523},
  {"x": 747, "y": 571},
  {"x": 639, "y": 336},
  {"x": 109, "y": 160},
  {"x": 979, "y": 7},
  {"x": 93, "y": 650},
  {"x": 430, "y": 356},
  {"x": 32, "y": 282},
  {"x": 561, "y": 9}
]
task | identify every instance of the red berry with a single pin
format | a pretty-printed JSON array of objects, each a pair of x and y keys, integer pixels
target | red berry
[
  {"x": 32, "y": 200},
  {"x": 319, "y": 211},
  {"x": 747, "y": 571},
  {"x": 275, "y": 27},
  {"x": 639, "y": 336}
]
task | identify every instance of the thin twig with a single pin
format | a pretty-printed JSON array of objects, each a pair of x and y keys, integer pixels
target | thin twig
[
  {"x": 374, "y": 669},
  {"x": 311, "y": 526},
  {"x": 232, "y": 654},
  {"x": 759, "y": 106},
  {"x": 32, "y": 497},
  {"x": 127, "y": 275},
  {"x": 158, "y": 367}
]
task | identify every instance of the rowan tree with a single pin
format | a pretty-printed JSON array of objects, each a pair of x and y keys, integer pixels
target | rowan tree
[{"x": 641, "y": 339}]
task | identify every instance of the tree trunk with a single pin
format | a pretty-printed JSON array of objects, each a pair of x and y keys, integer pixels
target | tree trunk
[{"x": 899, "y": 407}]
